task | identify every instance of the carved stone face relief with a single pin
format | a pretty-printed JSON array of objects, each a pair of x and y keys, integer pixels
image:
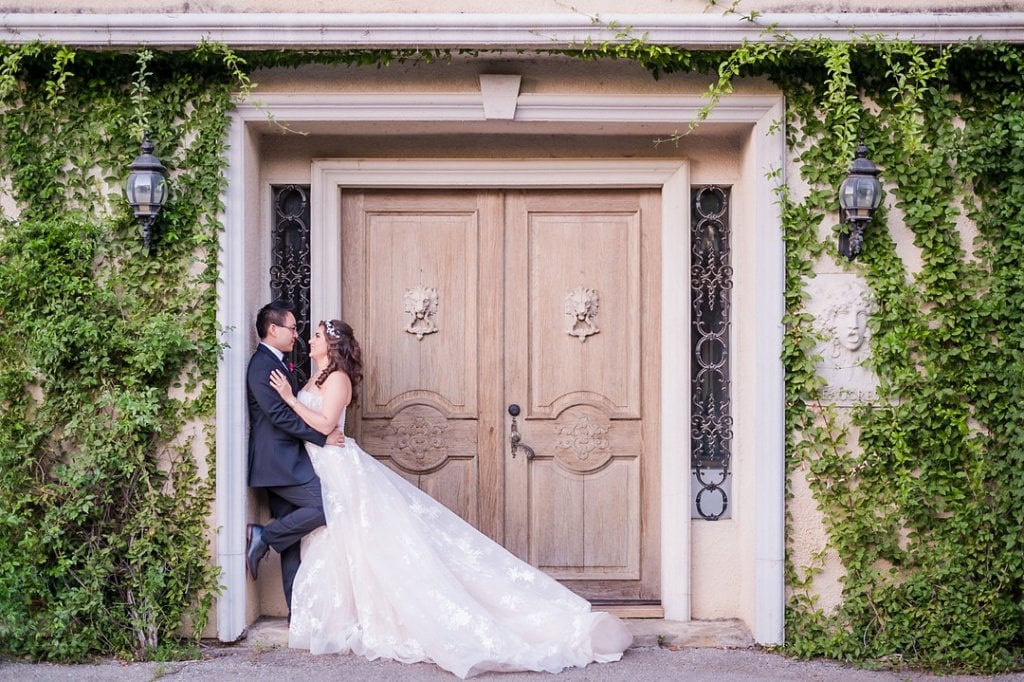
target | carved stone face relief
[
  {"x": 421, "y": 309},
  {"x": 841, "y": 305},
  {"x": 849, "y": 321},
  {"x": 581, "y": 306}
]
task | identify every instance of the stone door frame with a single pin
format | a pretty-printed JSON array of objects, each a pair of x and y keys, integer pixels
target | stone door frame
[{"x": 759, "y": 256}]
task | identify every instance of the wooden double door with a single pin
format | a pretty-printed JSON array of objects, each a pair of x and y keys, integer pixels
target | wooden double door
[{"x": 470, "y": 304}]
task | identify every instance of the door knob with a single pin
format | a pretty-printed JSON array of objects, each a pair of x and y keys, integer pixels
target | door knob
[{"x": 516, "y": 440}]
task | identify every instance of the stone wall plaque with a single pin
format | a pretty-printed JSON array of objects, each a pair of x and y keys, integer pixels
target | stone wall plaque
[{"x": 841, "y": 305}]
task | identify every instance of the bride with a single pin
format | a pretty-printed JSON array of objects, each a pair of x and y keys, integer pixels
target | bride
[{"x": 395, "y": 574}]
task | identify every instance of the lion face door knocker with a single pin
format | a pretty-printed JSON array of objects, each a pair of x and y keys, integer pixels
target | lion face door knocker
[
  {"x": 580, "y": 310},
  {"x": 421, "y": 307}
]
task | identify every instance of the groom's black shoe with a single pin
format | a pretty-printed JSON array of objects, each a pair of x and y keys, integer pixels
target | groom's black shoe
[{"x": 255, "y": 548}]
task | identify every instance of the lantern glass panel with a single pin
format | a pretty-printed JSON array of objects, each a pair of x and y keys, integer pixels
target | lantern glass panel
[
  {"x": 147, "y": 191},
  {"x": 860, "y": 193}
]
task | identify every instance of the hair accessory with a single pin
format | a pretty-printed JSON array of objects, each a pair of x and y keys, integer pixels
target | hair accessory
[{"x": 332, "y": 329}]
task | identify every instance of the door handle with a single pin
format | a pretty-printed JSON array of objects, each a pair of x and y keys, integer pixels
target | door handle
[{"x": 517, "y": 440}]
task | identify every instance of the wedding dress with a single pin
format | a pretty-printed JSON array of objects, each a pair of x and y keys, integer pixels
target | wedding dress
[{"x": 396, "y": 574}]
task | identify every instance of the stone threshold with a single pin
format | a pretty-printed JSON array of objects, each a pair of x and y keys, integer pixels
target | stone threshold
[{"x": 272, "y": 633}]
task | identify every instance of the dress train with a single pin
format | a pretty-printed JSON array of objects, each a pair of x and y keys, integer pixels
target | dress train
[{"x": 396, "y": 574}]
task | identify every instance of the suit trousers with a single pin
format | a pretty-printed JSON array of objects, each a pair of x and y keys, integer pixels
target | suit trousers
[{"x": 297, "y": 510}]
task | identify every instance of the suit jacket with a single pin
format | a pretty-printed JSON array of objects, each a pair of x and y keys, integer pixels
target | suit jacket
[{"x": 277, "y": 454}]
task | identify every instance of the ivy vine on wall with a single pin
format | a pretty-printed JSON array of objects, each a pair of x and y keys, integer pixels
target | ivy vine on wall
[
  {"x": 107, "y": 353},
  {"x": 107, "y": 356},
  {"x": 922, "y": 498}
]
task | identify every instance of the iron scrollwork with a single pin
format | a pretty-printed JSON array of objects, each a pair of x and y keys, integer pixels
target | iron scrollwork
[
  {"x": 289, "y": 264},
  {"x": 711, "y": 421}
]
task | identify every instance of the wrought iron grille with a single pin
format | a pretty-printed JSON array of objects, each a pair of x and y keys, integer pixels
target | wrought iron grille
[
  {"x": 711, "y": 422},
  {"x": 289, "y": 264}
]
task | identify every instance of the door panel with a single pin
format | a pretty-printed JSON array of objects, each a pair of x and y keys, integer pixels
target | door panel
[
  {"x": 547, "y": 299},
  {"x": 410, "y": 269},
  {"x": 429, "y": 257},
  {"x": 586, "y": 258},
  {"x": 581, "y": 295}
]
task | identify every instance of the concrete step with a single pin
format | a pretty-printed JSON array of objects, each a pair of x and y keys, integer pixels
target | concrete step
[{"x": 270, "y": 633}]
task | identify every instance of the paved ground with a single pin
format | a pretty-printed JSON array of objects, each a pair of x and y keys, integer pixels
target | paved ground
[{"x": 718, "y": 651}]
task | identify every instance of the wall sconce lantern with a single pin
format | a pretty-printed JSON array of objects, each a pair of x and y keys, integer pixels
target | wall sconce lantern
[
  {"x": 146, "y": 190},
  {"x": 859, "y": 196}
]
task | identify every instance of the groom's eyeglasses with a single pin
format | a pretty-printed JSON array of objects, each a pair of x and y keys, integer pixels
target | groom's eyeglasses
[{"x": 292, "y": 329}]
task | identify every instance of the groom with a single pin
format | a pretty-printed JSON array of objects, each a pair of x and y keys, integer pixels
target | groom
[{"x": 278, "y": 461}]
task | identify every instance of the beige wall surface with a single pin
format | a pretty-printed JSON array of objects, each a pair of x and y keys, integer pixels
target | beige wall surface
[{"x": 591, "y": 7}]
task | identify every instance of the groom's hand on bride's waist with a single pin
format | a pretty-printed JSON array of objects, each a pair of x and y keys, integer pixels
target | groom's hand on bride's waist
[{"x": 336, "y": 437}]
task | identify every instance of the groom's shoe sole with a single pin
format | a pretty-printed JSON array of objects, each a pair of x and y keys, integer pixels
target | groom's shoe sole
[{"x": 255, "y": 548}]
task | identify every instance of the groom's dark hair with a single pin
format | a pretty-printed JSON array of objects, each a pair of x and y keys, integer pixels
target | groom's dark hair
[{"x": 272, "y": 313}]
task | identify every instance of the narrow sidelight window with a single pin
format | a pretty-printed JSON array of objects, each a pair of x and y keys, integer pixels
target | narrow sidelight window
[
  {"x": 289, "y": 263},
  {"x": 711, "y": 419}
]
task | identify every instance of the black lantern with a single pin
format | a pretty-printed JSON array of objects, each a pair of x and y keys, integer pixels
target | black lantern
[
  {"x": 859, "y": 196},
  {"x": 146, "y": 189}
]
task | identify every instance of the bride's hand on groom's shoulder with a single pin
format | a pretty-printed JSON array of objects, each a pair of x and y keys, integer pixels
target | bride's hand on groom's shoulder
[{"x": 280, "y": 384}]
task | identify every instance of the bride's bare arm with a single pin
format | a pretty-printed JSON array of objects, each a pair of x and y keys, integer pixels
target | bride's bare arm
[{"x": 337, "y": 391}]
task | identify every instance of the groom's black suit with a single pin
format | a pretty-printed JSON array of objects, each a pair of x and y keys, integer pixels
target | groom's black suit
[{"x": 278, "y": 462}]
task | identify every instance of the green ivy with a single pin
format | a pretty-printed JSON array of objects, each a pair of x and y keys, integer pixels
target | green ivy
[
  {"x": 107, "y": 355},
  {"x": 924, "y": 508}
]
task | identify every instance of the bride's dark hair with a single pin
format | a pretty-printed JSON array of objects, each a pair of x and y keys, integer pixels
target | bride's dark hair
[{"x": 343, "y": 353}]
